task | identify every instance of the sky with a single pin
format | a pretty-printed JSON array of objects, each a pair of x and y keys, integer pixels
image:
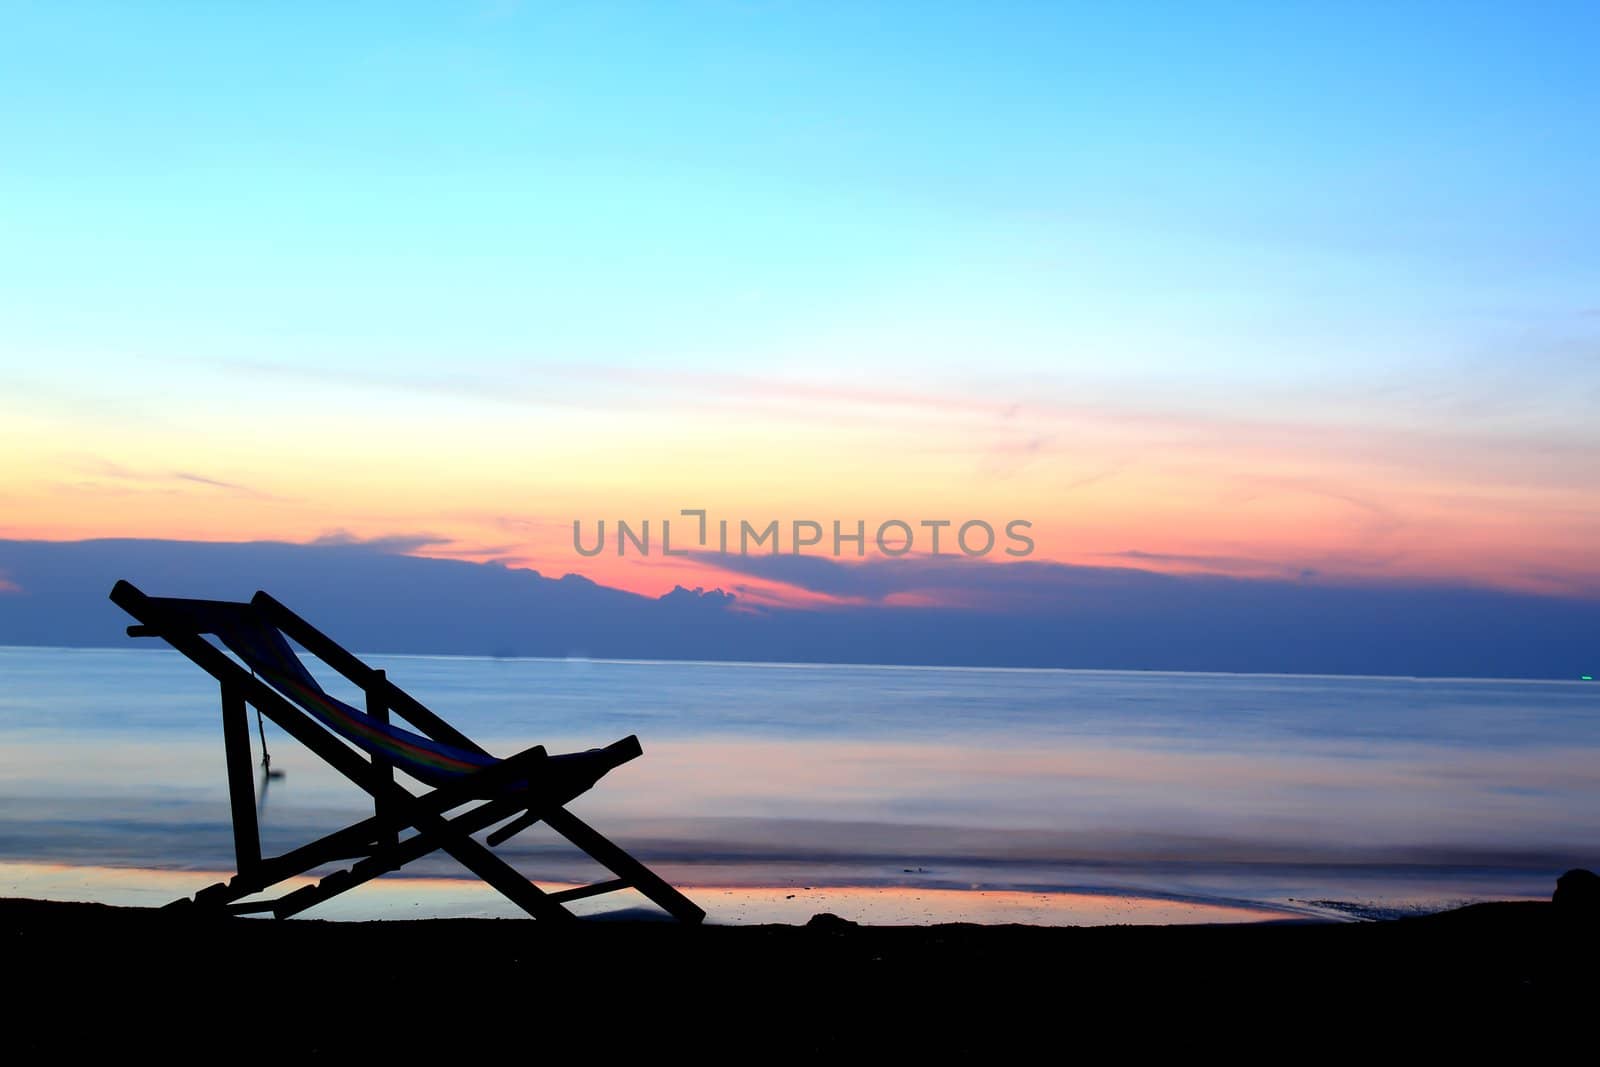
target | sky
[{"x": 1262, "y": 290}]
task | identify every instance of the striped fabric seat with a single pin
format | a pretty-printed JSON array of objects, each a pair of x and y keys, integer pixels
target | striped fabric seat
[{"x": 266, "y": 652}]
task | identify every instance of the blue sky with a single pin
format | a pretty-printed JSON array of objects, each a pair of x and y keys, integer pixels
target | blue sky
[{"x": 1267, "y": 189}]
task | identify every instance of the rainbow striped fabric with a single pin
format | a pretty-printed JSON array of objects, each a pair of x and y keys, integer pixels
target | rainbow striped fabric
[{"x": 265, "y": 651}]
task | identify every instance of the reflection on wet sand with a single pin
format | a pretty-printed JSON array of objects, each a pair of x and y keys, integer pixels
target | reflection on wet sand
[{"x": 427, "y": 898}]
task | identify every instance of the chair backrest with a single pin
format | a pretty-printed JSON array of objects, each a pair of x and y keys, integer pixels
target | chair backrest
[{"x": 263, "y": 648}]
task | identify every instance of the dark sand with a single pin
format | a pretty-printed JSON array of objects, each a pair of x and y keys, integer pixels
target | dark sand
[{"x": 95, "y": 978}]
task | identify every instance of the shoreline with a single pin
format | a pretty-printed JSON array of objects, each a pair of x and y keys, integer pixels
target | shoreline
[
  {"x": 318, "y": 986},
  {"x": 733, "y": 903}
]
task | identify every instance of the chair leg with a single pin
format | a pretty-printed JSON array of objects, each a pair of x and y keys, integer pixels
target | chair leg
[
  {"x": 449, "y": 835},
  {"x": 393, "y": 857},
  {"x": 241, "y": 783},
  {"x": 623, "y": 865}
]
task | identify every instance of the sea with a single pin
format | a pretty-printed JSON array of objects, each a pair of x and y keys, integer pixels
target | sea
[{"x": 772, "y": 792}]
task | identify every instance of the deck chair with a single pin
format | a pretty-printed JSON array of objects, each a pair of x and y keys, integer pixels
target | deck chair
[{"x": 367, "y": 748}]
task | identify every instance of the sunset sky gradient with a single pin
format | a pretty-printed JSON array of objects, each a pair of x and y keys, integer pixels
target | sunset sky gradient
[{"x": 1294, "y": 291}]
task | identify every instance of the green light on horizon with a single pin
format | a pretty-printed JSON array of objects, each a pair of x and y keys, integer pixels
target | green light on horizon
[{"x": 1586, "y": 678}]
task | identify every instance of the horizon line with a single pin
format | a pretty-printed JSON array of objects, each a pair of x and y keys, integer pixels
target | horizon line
[{"x": 831, "y": 664}]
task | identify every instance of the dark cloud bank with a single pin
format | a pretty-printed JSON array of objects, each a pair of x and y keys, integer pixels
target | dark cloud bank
[{"x": 1016, "y": 614}]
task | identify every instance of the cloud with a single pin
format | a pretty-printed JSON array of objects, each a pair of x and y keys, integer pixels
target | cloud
[
  {"x": 1007, "y": 456},
  {"x": 217, "y": 483},
  {"x": 817, "y": 574},
  {"x": 1034, "y": 587},
  {"x": 391, "y": 544},
  {"x": 1222, "y": 564},
  {"x": 474, "y": 387},
  {"x": 437, "y": 546},
  {"x": 520, "y": 524},
  {"x": 793, "y": 392},
  {"x": 942, "y": 580},
  {"x": 590, "y": 387},
  {"x": 1090, "y": 479},
  {"x": 1407, "y": 425},
  {"x": 951, "y": 611},
  {"x": 72, "y": 399},
  {"x": 1380, "y": 520},
  {"x": 128, "y": 479}
]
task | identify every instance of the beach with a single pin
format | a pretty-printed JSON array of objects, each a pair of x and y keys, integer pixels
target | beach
[
  {"x": 216, "y": 988},
  {"x": 895, "y": 862}
]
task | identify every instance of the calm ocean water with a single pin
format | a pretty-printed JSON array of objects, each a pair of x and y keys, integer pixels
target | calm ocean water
[{"x": 962, "y": 787}]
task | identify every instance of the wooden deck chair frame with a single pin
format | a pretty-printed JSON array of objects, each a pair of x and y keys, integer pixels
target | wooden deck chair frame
[{"x": 507, "y": 789}]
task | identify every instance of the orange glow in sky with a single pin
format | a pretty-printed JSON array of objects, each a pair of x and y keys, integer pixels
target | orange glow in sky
[{"x": 1176, "y": 491}]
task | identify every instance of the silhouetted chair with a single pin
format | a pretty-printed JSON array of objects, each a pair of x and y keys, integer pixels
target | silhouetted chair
[{"x": 367, "y": 748}]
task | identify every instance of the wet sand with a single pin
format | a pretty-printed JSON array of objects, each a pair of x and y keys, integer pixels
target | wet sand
[
  {"x": 92, "y": 977},
  {"x": 876, "y": 905}
]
